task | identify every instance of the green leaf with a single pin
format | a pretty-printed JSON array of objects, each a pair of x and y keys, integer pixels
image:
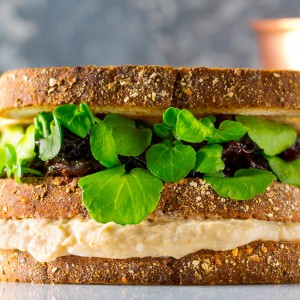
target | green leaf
[
  {"x": 2, "y": 161},
  {"x": 11, "y": 135},
  {"x": 208, "y": 122},
  {"x": 228, "y": 131},
  {"x": 170, "y": 117},
  {"x": 76, "y": 119},
  {"x": 209, "y": 159},
  {"x": 287, "y": 172},
  {"x": 103, "y": 145},
  {"x": 26, "y": 146},
  {"x": 83, "y": 107},
  {"x": 170, "y": 163},
  {"x": 162, "y": 130},
  {"x": 129, "y": 140},
  {"x": 270, "y": 136},
  {"x": 116, "y": 196},
  {"x": 245, "y": 184},
  {"x": 189, "y": 129},
  {"x": 50, "y": 146},
  {"x": 10, "y": 159},
  {"x": 42, "y": 123}
]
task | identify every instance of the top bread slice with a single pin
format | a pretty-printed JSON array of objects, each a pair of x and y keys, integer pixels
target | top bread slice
[{"x": 149, "y": 90}]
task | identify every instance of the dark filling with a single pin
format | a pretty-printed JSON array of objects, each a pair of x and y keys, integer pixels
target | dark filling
[
  {"x": 75, "y": 158},
  {"x": 242, "y": 154}
]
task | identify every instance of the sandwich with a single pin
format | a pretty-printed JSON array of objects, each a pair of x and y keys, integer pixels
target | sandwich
[{"x": 149, "y": 175}]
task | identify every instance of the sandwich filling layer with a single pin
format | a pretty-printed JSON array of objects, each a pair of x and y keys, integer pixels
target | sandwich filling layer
[{"x": 47, "y": 239}]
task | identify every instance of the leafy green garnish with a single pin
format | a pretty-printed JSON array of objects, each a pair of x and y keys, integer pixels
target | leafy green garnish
[
  {"x": 50, "y": 145},
  {"x": 287, "y": 172},
  {"x": 26, "y": 147},
  {"x": 17, "y": 158},
  {"x": 11, "y": 135},
  {"x": 170, "y": 117},
  {"x": 116, "y": 196},
  {"x": 103, "y": 145},
  {"x": 78, "y": 119},
  {"x": 209, "y": 159},
  {"x": 10, "y": 160},
  {"x": 227, "y": 131},
  {"x": 162, "y": 130},
  {"x": 2, "y": 161},
  {"x": 170, "y": 162},
  {"x": 245, "y": 184},
  {"x": 189, "y": 129},
  {"x": 42, "y": 123},
  {"x": 129, "y": 140},
  {"x": 270, "y": 136}
]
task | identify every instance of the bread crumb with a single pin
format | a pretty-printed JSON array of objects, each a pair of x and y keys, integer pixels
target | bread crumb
[
  {"x": 193, "y": 184},
  {"x": 235, "y": 251},
  {"x": 52, "y": 82},
  {"x": 254, "y": 257}
]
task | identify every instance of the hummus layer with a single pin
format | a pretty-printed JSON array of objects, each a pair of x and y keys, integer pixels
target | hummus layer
[{"x": 47, "y": 239}]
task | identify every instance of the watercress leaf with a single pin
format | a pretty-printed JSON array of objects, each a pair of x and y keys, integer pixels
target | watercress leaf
[
  {"x": 162, "y": 130},
  {"x": 26, "y": 146},
  {"x": 228, "y": 131},
  {"x": 17, "y": 172},
  {"x": 2, "y": 161},
  {"x": 170, "y": 117},
  {"x": 83, "y": 107},
  {"x": 209, "y": 159},
  {"x": 189, "y": 129},
  {"x": 42, "y": 123},
  {"x": 270, "y": 136},
  {"x": 10, "y": 159},
  {"x": 77, "y": 121},
  {"x": 287, "y": 172},
  {"x": 170, "y": 163},
  {"x": 50, "y": 146},
  {"x": 208, "y": 122},
  {"x": 11, "y": 135},
  {"x": 116, "y": 196},
  {"x": 129, "y": 140},
  {"x": 245, "y": 184},
  {"x": 103, "y": 145}
]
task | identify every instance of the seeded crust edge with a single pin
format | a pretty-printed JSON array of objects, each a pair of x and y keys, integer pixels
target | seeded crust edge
[
  {"x": 257, "y": 262},
  {"x": 149, "y": 90},
  {"x": 60, "y": 197}
]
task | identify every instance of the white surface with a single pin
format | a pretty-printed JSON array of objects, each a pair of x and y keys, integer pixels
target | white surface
[{"x": 17, "y": 291}]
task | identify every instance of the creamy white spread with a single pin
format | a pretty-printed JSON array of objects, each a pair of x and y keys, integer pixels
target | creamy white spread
[{"x": 47, "y": 239}]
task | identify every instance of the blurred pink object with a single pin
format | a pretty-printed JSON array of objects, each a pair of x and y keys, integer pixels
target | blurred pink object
[{"x": 279, "y": 42}]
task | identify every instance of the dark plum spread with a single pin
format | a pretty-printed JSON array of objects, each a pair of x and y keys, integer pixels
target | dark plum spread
[{"x": 75, "y": 158}]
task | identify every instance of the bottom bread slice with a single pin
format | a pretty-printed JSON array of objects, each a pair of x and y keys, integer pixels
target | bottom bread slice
[{"x": 257, "y": 262}]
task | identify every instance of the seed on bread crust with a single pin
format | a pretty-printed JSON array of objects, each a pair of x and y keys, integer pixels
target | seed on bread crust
[{"x": 60, "y": 197}]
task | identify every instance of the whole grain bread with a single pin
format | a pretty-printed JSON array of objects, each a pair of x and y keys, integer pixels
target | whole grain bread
[
  {"x": 140, "y": 90},
  {"x": 60, "y": 197},
  {"x": 257, "y": 262}
]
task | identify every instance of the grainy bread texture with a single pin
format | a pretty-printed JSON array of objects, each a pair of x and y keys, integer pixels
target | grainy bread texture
[
  {"x": 140, "y": 90},
  {"x": 59, "y": 197},
  {"x": 147, "y": 91},
  {"x": 257, "y": 262}
]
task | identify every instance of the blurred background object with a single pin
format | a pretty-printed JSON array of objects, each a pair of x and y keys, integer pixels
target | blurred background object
[
  {"x": 35, "y": 33},
  {"x": 279, "y": 42}
]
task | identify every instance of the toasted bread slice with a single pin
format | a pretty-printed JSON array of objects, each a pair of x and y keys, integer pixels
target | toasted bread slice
[{"x": 149, "y": 90}]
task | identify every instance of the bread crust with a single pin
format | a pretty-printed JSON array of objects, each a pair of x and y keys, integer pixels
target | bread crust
[
  {"x": 150, "y": 90},
  {"x": 122, "y": 89},
  {"x": 60, "y": 197},
  {"x": 257, "y": 262}
]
